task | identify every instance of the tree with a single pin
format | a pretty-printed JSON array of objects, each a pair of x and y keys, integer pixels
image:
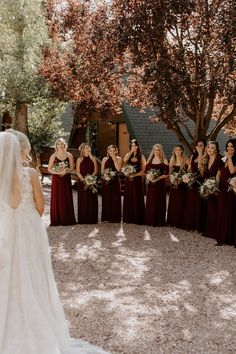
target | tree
[
  {"x": 79, "y": 65},
  {"x": 22, "y": 34},
  {"x": 183, "y": 58}
]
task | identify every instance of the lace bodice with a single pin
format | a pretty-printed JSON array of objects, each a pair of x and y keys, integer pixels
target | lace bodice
[{"x": 27, "y": 190}]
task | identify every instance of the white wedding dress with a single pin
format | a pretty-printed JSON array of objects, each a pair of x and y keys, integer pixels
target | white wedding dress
[{"x": 32, "y": 320}]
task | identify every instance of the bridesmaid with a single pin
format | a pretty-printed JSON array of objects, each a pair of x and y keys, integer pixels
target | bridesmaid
[
  {"x": 111, "y": 192},
  {"x": 226, "y": 216},
  {"x": 86, "y": 164},
  {"x": 210, "y": 169},
  {"x": 155, "y": 213},
  {"x": 61, "y": 163},
  {"x": 177, "y": 198},
  {"x": 133, "y": 208},
  {"x": 192, "y": 211}
]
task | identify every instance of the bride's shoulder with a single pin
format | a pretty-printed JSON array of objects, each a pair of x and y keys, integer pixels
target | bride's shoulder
[{"x": 32, "y": 173}]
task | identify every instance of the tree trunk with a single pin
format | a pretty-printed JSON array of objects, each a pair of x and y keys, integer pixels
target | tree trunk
[
  {"x": 6, "y": 121},
  {"x": 21, "y": 119}
]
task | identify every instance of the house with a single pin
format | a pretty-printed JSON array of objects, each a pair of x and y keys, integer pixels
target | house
[{"x": 118, "y": 130}]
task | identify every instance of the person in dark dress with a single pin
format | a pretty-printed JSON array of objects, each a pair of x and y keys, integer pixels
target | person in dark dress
[
  {"x": 226, "y": 213},
  {"x": 155, "y": 212},
  {"x": 86, "y": 165},
  {"x": 177, "y": 198},
  {"x": 211, "y": 165},
  {"x": 193, "y": 207},
  {"x": 133, "y": 206},
  {"x": 111, "y": 191},
  {"x": 61, "y": 163}
]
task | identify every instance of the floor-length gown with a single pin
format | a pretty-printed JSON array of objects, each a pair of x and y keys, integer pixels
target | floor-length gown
[
  {"x": 193, "y": 206},
  {"x": 211, "y": 204},
  {"x": 87, "y": 199},
  {"x": 226, "y": 217},
  {"x": 61, "y": 205},
  {"x": 133, "y": 206},
  {"x": 177, "y": 198},
  {"x": 155, "y": 212},
  {"x": 111, "y": 196},
  {"x": 32, "y": 320}
]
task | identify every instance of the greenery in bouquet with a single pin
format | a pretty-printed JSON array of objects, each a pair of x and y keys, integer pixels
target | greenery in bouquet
[
  {"x": 176, "y": 178},
  {"x": 209, "y": 188},
  {"x": 60, "y": 166},
  {"x": 128, "y": 170},
  {"x": 153, "y": 175},
  {"x": 190, "y": 178},
  {"x": 108, "y": 175},
  {"x": 90, "y": 182},
  {"x": 232, "y": 184}
]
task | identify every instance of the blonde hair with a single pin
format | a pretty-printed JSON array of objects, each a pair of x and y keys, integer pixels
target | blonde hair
[
  {"x": 112, "y": 147},
  {"x": 23, "y": 141},
  {"x": 151, "y": 155},
  {"x": 62, "y": 140},
  {"x": 81, "y": 149},
  {"x": 173, "y": 157}
]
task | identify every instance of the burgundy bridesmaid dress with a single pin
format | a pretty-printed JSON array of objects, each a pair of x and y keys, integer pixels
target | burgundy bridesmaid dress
[
  {"x": 155, "y": 212},
  {"x": 226, "y": 213},
  {"x": 61, "y": 206},
  {"x": 192, "y": 212},
  {"x": 111, "y": 196},
  {"x": 133, "y": 207},
  {"x": 87, "y": 200},
  {"x": 177, "y": 199},
  {"x": 211, "y": 203}
]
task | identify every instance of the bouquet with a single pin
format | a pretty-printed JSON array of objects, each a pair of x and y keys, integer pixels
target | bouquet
[
  {"x": 128, "y": 170},
  {"x": 60, "y": 166},
  {"x": 176, "y": 178},
  {"x": 208, "y": 188},
  {"x": 90, "y": 182},
  {"x": 108, "y": 175},
  {"x": 189, "y": 178},
  {"x": 232, "y": 184},
  {"x": 153, "y": 175}
]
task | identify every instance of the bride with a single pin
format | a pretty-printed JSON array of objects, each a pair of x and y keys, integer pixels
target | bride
[{"x": 32, "y": 320}]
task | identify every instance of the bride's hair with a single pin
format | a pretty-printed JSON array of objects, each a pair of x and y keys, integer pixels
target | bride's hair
[{"x": 23, "y": 141}]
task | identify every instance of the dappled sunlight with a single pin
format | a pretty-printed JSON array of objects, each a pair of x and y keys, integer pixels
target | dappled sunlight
[
  {"x": 173, "y": 237},
  {"x": 219, "y": 277},
  {"x": 93, "y": 233},
  {"x": 147, "y": 236}
]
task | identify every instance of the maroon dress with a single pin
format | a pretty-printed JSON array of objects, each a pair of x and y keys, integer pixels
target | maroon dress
[
  {"x": 61, "y": 206},
  {"x": 211, "y": 203},
  {"x": 111, "y": 196},
  {"x": 133, "y": 207},
  {"x": 155, "y": 213},
  {"x": 87, "y": 200},
  {"x": 226, "y": 216},
  {"x": 176, "y": 204},
  {"x": 192, "y": 212}
]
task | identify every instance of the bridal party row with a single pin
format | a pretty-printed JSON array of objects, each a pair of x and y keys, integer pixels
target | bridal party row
[{"x": 202, "y": 188}]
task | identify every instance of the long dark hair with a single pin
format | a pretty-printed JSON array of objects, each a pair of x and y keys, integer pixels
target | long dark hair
[
  {"x": 139, "y": 153},
  {"x": 195, "y": 153},
  {"x": 233, "y": 142}
]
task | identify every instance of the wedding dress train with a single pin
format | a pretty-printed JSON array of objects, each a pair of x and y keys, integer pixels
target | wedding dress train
[{"x": 32, "y": 320}]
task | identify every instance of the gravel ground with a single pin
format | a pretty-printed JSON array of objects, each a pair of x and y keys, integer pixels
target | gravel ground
[{"x": 145, "y": 290}]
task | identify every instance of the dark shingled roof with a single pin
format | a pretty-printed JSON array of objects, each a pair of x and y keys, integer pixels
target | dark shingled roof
[{"x": 147, "y": 133}]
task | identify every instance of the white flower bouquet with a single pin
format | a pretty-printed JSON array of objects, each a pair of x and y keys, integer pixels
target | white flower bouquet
[
  {"x": 232, "y": 185},
  {"x": 108, "y": 175},
  {"x": 209, "y": 187},
  {"x": 176, "y": 178},
  {"x": 60, "y": 166},
  {"x": 190, "y": 178},
  {"x": 152, "y": 175},
  {"x": 90, "y": 182},
  {"x": 128, "y": 170}
]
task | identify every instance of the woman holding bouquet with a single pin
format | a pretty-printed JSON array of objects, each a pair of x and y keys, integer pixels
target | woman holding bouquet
[
  {"x": 61, "y": 163},
  {"x": 87, "y": 169},
  {"x": 157, "y": 170},
  {"x": 226, "y": 201},
  {"x": 133, "y": 208},
  {"x": 210, "y": 169},
  {"x": 178, "y": 190},
  {"x": 111, "y": 192},
  {"x": 192, "y": 211}
]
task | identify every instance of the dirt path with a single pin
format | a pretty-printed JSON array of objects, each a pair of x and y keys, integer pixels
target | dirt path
[{"x": 143, "y": 290}]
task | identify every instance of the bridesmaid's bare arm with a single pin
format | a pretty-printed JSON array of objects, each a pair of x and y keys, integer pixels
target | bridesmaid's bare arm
[
  {"x": 37, "y": 190},
  {"x": 95, "y": 172},
  {"x": 78, "y": 162}
]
